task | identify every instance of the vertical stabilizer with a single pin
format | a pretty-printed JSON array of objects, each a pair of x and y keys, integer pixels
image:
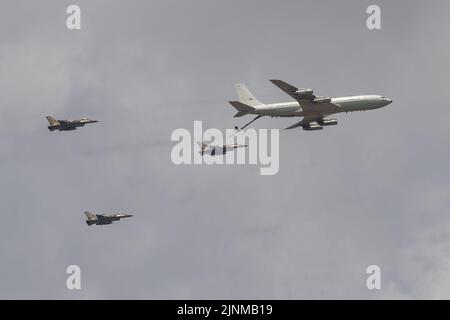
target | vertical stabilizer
[{"x": 245, "y": 96}]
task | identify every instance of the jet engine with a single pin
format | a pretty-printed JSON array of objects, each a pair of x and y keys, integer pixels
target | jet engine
[
  {"x": 328, "y": 122},
  {"x": 304, "y": 92},
  {"x": 322, "y": 99},
  {"x": 312, "y": 127}
]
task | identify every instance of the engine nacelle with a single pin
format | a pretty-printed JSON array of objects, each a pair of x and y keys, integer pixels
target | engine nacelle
[
  {"x": 304, "y": 92},
  {"x": 312, "y": 127},
  {"x": 322, "y": 99},
  {"x": 328, "y": 122}
]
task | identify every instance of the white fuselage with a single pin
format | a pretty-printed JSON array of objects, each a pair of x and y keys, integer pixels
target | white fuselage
[{"x": 337, "y": 105}]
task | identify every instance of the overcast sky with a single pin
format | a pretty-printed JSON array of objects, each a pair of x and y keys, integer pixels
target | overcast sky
[{"x": 373, "y": 190}]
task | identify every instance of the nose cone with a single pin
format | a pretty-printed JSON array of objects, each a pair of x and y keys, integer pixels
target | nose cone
[{"x": 386, "y": 101}]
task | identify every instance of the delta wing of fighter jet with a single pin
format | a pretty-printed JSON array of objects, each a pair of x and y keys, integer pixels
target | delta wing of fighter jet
[
  {"x": 102, "y": 219},
  {"x": 314, "y": 109},
  {"x": 67, "y": 125},
  {"x": 214, "y": 150}
]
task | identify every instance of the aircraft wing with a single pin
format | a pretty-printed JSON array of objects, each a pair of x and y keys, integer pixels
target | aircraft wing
[
  {"x": 305, "y": 97},
  {"x": 66, "y": 123},
  {"x": 301, "y": 95},
  {"x": 305, "y": 121},
  {"x": 103, "y": 219}
]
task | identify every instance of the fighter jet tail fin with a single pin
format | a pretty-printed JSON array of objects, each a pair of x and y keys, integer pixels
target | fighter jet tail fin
[
  {"x": 245, "y": 96},
  {"x": 90, "y": 216},
  {"x": 51, "y": 120},
  {"x": 202, "y": 145},
  {"x": 242, "y": 108}
]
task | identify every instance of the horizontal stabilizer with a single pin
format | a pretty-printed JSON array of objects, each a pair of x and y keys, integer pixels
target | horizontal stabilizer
[
  {"x": 242, "y": 108},
  {"x": 240, "y": 114}
]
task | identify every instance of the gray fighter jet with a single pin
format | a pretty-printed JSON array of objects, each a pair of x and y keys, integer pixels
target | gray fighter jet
[
  {"x": 312, "y": 108},
  {"x": 67, "y": 125},
  {"x": 101, "y": 219},
  {"x": 213, "y": 150}
]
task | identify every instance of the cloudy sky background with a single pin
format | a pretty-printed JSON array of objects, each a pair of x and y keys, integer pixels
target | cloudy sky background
[{"x": 372, "y": 190}]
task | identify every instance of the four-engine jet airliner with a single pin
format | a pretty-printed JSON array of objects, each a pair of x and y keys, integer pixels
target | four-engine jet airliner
[
  {"x": 314, "y": 109},
  {"x": 67, "y": 125}
]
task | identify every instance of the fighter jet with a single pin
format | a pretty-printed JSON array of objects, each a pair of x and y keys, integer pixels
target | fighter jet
[
  {"x": 67, "y": 125},
  {"x": 218, "y": 150},
  {"x": 101, "y": 219},
  {"x": 314, "y": 109}
]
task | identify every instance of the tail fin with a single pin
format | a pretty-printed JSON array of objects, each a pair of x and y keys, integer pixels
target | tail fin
[
  {"x": 52, "y": 120},
  {"x": 202, "y": 146},
  {"x": 245, "y": 96},
  {"x": 242, "y": 108},
  {"x": 90, "y": 216}
]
